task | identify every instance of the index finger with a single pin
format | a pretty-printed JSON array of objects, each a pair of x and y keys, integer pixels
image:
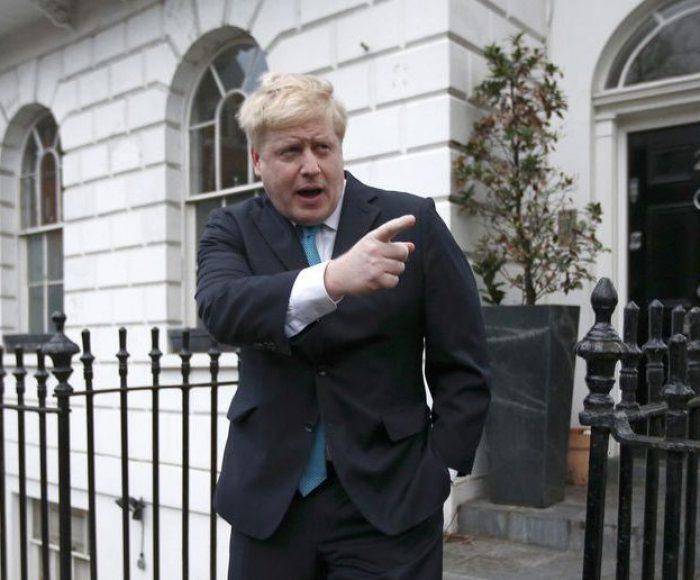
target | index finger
[{"x": 387, "y": 231}]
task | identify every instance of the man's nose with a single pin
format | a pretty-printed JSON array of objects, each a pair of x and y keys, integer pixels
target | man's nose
[{"x": 309, "y": 163}]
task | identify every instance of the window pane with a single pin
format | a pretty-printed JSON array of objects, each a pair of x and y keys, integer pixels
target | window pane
[
  {"x": 55, "y": 303},
  {"x": 53, "y": 524},
  {"x": 47, "y": 131},
  {"x": 234, "y": 146},
  {"x": 207, "y": 98},
  {"x": 229, "y": 69},
  {"x": 675, "y": 51},
  {"x": 35, "y": 561},
  {"x": 254, "y": 63},
  {"x": 54, "y": 250},
  {"x": 55, "y": 565},
  {"x": 28, "y": 196},
  {"x": 621, "y": 59},
  {"x": 36, "y": 520},
  {"x": 49, "y": 207},
  {"x": 78, "y": 531},
  {"x": 239, "y": 197},
  {"x": 36, "y": 316},
  {"x": 202, "y": 162},
  {"x": 35, "y": 258},
  {"x": 676, "y": 7},
  {"x": 55, "y": 295},
  {"x": 81, "y": 569},
  {"x": 31, "y": 152}
]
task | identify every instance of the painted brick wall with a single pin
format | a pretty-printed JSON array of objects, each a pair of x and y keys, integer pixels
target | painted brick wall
[
  {"x": 405, "y": 73},
  {"x": 118, "y": 85}
]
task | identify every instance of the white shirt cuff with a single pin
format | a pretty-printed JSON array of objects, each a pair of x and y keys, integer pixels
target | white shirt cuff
[{"x": 309, "y": 300}]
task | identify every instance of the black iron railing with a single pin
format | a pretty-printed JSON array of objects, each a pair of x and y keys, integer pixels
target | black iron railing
[
  {"x": 666, "y": 429},
  {"x": 61, "y": 351}
]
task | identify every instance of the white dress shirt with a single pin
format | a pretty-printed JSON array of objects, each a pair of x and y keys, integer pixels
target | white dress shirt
[{"x": 309, "y": 300}]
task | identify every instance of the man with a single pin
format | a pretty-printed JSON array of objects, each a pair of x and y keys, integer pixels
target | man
[{"x": 335, "y": 467}]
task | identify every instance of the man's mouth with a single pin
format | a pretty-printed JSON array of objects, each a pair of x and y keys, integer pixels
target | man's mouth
[{"x": 309, "y": 192}]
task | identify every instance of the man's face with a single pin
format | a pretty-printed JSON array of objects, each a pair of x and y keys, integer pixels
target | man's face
[{"x": 302, "y": 170}]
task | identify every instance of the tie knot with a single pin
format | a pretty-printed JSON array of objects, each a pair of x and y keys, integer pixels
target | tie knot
[{"x": 310, "y": 231}]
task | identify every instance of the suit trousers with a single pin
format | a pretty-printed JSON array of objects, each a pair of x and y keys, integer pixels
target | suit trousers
[{"x": 324, "y": 537}]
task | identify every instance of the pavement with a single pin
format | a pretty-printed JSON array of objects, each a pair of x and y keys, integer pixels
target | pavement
[{"x": 482, "y": 558}]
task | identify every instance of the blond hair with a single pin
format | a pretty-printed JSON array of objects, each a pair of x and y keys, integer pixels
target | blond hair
[{"x": 287, "y": 100}]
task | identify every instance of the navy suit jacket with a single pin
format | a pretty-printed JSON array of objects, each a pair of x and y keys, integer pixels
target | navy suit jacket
[{"x": 360, "y": 369}]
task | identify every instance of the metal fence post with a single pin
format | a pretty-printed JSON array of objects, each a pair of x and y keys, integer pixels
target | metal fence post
[
  {"x": 88, "y": 359},
  {"x": 185, "y": 356},
  {"x": 3, "y": 505},
  {"x": 600, "y": 348},
  {"x": 61, "y": 350},
  {"x": 693, "y": 434},
  {"x": 654, "y": 350},
  {"x": 42, "y": 376},
  {"x": 155, "y": 355},
  {"x": 629, "y": 362},
  {"x": 214, "y": 354},
  {"x": 20, "y": 373},
  {"x": 677, "y": 393}
]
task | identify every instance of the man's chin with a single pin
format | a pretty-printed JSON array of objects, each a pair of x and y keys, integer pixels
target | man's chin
[{"x": 309, "y": 216}]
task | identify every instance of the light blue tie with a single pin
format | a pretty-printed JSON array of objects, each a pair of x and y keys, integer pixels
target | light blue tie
[{"x": 315, "y": 471}]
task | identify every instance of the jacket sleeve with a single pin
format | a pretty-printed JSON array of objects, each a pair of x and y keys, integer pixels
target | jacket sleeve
[
  {"x": 456, "y": 362},
  {"x": 238, "y": 306}
]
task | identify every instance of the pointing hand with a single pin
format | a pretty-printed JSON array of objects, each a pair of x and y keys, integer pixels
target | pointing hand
[{"x": 373, "y": 263}]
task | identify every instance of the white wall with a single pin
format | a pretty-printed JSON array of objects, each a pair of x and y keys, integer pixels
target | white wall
[
  {"x": 592, "y": 147},
  {"x": 117, "y": 84}
]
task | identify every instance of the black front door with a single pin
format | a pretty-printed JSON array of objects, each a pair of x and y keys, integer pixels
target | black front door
[{"x": 664, "y": 219}]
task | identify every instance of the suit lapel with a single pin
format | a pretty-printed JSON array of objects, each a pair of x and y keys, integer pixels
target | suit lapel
[
  {"x": 357, "y": 217},
  {"x": 280, "y": 235}
]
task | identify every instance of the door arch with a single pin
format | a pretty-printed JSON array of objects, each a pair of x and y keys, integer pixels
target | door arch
[{"x": 635, "y": 97}]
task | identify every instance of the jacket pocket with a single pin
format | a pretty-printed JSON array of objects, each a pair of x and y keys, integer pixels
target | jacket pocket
[
  {"x": 240, "y": 408},
  {"x": 405, "y": 421}
]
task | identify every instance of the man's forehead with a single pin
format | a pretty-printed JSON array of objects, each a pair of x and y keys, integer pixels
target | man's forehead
[
  {"x": 302, "y": 130},
  {"x": 299, "y": 133}
]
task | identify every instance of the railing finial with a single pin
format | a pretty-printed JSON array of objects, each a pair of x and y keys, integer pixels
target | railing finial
[{"x": 601, "y": 348}]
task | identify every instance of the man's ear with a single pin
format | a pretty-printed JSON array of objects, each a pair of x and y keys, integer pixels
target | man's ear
[{"x": 255, "y": 156}]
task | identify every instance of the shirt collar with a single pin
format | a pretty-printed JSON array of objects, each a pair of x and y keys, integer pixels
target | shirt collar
[{"x": 333, "y": 220}]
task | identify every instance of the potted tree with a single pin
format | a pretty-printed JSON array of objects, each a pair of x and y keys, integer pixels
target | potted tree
[{"x": 535, "y": 242}]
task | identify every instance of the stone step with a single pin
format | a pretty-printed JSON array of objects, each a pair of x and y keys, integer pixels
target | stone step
[{"x": 559, "y": 527}]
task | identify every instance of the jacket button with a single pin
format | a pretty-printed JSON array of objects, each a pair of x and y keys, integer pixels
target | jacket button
[
  {"x": 308, "y": 427},
  {"x": 322, "y": 372}
]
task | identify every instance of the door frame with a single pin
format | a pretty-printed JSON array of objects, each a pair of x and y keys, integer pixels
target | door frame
[{"x": 616, "y": 114}]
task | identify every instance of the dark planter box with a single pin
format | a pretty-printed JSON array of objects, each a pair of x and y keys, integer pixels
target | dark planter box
[{"x": 531, "y": 350}]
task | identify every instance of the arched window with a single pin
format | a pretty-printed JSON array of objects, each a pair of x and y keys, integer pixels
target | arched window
[
  {"x": 665, "y": 45},
  {"x": 41, "y": 228},
  {"x": 220, "y": 169}
]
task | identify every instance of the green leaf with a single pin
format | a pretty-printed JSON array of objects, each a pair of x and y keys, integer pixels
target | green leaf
[{"x": 506, "y": 160}]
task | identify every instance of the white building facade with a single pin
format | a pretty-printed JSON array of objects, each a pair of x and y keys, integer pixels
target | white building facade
[{"x": 118, "y": 136}]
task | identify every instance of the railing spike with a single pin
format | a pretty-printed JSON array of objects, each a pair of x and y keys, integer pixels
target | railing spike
[{"x": 677, "y": 320}]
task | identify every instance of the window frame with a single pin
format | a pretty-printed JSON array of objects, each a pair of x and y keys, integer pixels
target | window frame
[
  {"x": 34, "y": 539},
  {"x": 655, "y": 22},
  {"x": 25, "y": 232},
  {"x": 192, "y": 200}
]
